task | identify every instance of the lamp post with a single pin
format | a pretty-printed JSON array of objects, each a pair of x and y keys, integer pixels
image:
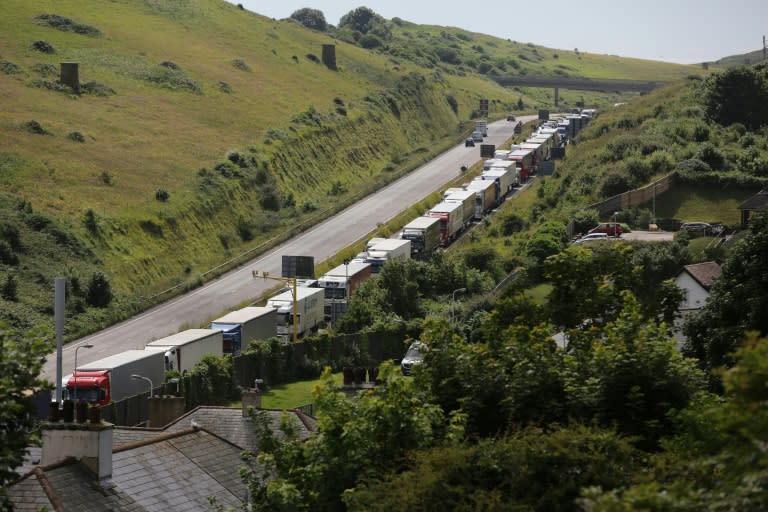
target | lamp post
[
  {"x": 615, "y": 229},
  {"x": 453, "y": 301},
  {"x": 85, "y": 345},
  {"x": 151, "y": 386}
]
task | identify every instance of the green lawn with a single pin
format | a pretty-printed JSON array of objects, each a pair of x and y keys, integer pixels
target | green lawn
[
  {"x": 702, "y": 204},
  {"x": 295, "y": 394}
]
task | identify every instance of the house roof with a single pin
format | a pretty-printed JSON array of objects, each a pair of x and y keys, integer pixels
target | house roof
[
  {"x": 172, "y": 471},
  {"x": 758, "y": 201},
  {"x": 704, "y": 273}
]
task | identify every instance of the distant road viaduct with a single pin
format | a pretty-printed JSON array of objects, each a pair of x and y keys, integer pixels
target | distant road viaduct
[{"x": 577, "y": 84}]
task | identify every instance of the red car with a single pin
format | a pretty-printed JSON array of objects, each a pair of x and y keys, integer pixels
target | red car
[{"x": 609, "y": 228}]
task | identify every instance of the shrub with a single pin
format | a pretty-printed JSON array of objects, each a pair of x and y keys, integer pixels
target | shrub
[
  {"x": 76, "y": 137},
  {"x": 98, "y": 291},
  {"x": 90, "y": 221},
  {"x": 10, "y": 233},
  {"x": 615, "y": 183},
  {"x": 224, "y": 87},
  {"x": 170, "y": 65},
  {"x": 9, "y": 68},
  {"x": 693, "y": 165},
  {"x": 712, "y": 156},
  {"x": 96, "y": 89},
  {"x": 241, "y": 65},
  {"x": 43, "y": 47},
  {"x": 369, "y": 41},
  {"x": 66, "y": 25},
  {"x": 311, "y": 18},
  {"x": 8, "y": 289},
  {"x": 35, "y": 127},
  {"x": 51, "y": 86},
  {"x": 106, "y": 178},
  {"x": 7, "y": 255},
  {"x": 312, "y": 57},
  {"x": 162, "y": 195},
  {"x": 45, "y": 69}
]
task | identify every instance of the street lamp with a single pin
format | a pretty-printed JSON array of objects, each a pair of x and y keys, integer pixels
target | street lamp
[
  {"x": 85, "y": 345},
  {"x": 615, "y": 228},
  {"x": 292, "y": 282},
  {"x": 453, "y": 301},
  {"x": 151, "y": 386}
]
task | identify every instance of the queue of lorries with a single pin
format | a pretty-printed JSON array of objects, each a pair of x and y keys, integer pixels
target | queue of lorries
[{"x": 318, "y": 301}]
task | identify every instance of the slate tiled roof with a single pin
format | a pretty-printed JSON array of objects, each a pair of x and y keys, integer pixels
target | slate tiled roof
[
  {"x": 172, "y": 471},
  {"x": 757, "y": 202},
  {"x": 229, "y": 423},
  {"x": 704, "y": 273}
]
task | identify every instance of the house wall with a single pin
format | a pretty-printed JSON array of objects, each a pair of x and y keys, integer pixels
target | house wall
[{"x": 695, "y": 295}]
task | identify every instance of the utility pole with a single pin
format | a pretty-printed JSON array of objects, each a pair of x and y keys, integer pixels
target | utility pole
[
  {"x": 764, "y": 48},
  {"x": 289, "y": 281}
]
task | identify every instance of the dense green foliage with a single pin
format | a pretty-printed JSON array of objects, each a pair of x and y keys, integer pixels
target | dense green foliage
[
  {"x": 21, "y": 359},
  {"x": 738, "y": 303},
  {"x": 738, "y": 95},
  {"x": 310, "y": 18}
]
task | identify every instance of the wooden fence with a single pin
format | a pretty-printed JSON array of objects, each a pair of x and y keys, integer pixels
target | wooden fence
[{"x": 634, "y": 197}]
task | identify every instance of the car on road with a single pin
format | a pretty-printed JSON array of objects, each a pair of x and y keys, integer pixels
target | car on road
[
  {"x": 699, "y": 228},
  {"x": 592, "y": 237},
  {"x": 609, "y": 228},
  {"x": 414, "y": 356},
  {"x": 510, "y": 118},
  {"x": 469, "y": 143}
]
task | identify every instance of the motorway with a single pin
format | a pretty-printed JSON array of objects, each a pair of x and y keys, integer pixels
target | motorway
[{"x": 323, "y": 241}]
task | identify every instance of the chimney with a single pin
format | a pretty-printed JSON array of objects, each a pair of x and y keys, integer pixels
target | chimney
[
  {"x": 88, "y": 442},
  {"x": 165, "y": 409},
  {"x": 252, "y": 398}
]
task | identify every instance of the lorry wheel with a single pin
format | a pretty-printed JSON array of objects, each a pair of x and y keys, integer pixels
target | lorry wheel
[{"x": 463, "y": 168}]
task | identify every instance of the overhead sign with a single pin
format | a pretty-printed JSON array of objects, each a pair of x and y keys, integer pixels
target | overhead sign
[{"x": 487, "y": 150}]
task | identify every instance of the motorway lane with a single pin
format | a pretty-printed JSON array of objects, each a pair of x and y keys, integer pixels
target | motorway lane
[{"x": 322, "y": 242}]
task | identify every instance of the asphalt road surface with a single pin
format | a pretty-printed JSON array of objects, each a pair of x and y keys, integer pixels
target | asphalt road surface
[{"x": 322, "y": 242}]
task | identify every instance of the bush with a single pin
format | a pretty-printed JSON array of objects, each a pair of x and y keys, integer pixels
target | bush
[
  {"x": 7, "y": 255},
  {"x": 51, "y": 86},
  {"x": 46, "y": 69},
  {"x": 8, "y": 289},
  {"x": 98, "y": 291},
  {"x": 312, "y": 57},
  {"x": 35, "y": 127},
  {"x": 76, "y": 137},
  {"x": 712, "y": 156},
  {"x": 96, "y": 89},
  {"x": 90, "y": 221},
  {"x": 9, "y": 68},
  {"x": 43, "y": 47},
  {"x": 311, "y": 18},
  {"x": 369, "y": 41},
  {"x": 224, "y": 87},
  {"x": 66, "y": 25},
  {"x": 615, "y": 183},
  {"x": 162, "y": 195},
  {"x": 241, "y": 65}
]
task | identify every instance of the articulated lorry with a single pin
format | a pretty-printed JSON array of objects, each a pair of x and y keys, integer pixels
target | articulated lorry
[
  {"x": 339, "y": 284},
  {"x": 388, "y": 250},
  {"x": 310, "y": 312},
  {"x": 111, "y": 378},
  {"x": 239, "y": 328},
  {"x": 467, "y": 199},
  {"x": 424, "y": 234},
  {"x": 524, "y": 159},
  {"x": 451, "y": 217},
  {"x": 481, "y": 125},
  {"x": 183, "y": 350},
  {"x": 485, "y": 196}
]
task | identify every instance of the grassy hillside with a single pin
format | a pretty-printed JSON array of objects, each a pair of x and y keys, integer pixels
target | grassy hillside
[{"x": 203, "y": 130}]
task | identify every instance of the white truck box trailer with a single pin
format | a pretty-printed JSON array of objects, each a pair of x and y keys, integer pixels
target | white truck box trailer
[
  {"x": 388, "y": 250},
  {"x": 485, "y": 196},
  {"x": 239, "y": 328},
  {"x": 185, "y": 349},
  {"x": 451, "y": 217},
  {"x": 424, "y": 234},
  {"x": 310, "y": 305},
  {"x": 467, "y": 199}
]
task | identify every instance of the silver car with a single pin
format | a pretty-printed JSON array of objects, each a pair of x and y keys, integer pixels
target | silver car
[{"x": 414, "y": 356}]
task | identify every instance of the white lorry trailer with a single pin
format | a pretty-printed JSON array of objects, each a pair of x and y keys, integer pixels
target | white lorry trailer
[
  {"x": 424, "y": 234},
  {"x": 467, "y": 199},
  {"x": 108, "y": 379},
  {"x": 309, "y": 311},
  {"x": 239, "y": 328},
  {"x": 485, "y": 196},
  {"x": 185, "y": 349},
  {"x": 451, "y": 217},
  {"x": 339, "y": 284},
  {"x": 388, "y": 250}
]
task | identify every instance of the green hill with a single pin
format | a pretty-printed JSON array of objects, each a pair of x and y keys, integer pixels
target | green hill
[{"x": 203, "y": 130}]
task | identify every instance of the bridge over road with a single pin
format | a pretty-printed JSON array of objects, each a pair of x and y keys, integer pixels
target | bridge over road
[{"x": 577, "y": 84}]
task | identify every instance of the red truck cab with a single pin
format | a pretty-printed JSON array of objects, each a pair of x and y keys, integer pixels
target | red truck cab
[{"x": 93, "y": 387}]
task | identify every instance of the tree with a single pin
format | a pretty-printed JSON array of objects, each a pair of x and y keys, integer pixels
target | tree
[
  {"x": 738, "y": 302},
  {"x": 311, "y": 18},
  {"x": 366, "y": 21},
  {"x": 738, "y": 95},
  {"x": 532, "y": 470},
  {"x": 21, "y": 360},
  {"x": 98, "y": 292},
  {"x": 356, "y": 440}
]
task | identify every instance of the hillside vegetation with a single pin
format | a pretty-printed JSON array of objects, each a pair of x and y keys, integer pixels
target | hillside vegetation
[{"x": 203, "y": 130}]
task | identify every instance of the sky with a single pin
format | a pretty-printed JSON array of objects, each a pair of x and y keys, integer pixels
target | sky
[{"x": 681, "y": 31}]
